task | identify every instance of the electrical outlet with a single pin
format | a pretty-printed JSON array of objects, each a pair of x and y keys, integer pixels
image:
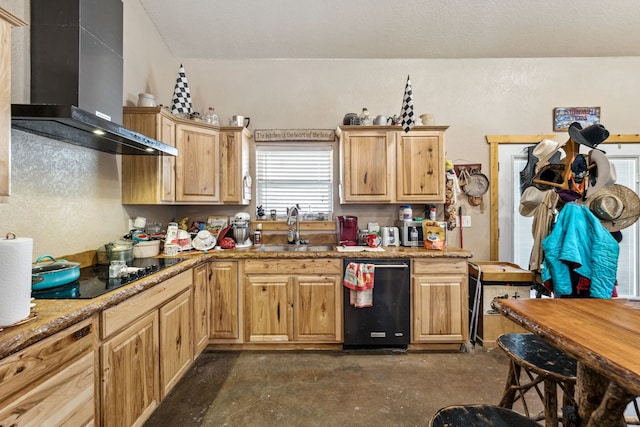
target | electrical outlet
[{"x": 466, "y": 221}]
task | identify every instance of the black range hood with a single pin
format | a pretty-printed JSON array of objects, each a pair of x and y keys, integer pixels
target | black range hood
[
  {"x": 71, "y": 124},
  {"x": 76, "y": 78}
]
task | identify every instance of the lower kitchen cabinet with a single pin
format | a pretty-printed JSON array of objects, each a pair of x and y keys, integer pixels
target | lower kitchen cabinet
[
  {"x": 130, "y": 376},
  {"x": 201, "y": 276},
  {"x": 224, "y": 307},
  {"x": 52, "y": 382},
  {"x": 146, "y": 347},
  {"x": 176, "y": 346},
  {"x": 293, "y": 300},
  {"x": 439, "y": 298}
]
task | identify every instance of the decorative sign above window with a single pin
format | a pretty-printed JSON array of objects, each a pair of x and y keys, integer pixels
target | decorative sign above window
[
  {"x": 273, "y": 135},
  {"x": 564, "y": 116}
]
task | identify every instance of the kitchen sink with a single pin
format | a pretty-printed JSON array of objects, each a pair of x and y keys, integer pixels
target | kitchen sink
[{"x": 295, "y": 248}]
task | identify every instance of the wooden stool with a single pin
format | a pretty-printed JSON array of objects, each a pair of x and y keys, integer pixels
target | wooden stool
[
  {"x": 543, "y": 363},
  {"x": 480, "y": 415}
]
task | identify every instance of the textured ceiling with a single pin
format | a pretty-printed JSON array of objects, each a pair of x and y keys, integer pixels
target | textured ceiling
[{"x": 289, "y": 29}]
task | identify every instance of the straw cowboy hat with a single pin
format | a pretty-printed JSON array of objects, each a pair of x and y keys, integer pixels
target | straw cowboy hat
[
  {"x": 530, "y": 200},
  {"x": 602, "y": 172},
  {"x": 616, "y": 206},
  {"x": 589, "y": 136}
]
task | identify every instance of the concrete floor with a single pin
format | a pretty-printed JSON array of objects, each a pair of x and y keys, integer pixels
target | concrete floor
[{"x": 331, "y": 388}]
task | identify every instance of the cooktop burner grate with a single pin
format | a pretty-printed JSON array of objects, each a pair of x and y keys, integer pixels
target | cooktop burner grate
[{"x": 94, "y": 280}]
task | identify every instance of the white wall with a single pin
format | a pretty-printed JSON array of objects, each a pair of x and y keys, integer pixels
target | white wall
[{"x": 474, "y": 97}]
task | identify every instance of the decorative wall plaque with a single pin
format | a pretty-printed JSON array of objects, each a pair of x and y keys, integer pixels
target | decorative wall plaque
[{"x": 272, "y": 135}]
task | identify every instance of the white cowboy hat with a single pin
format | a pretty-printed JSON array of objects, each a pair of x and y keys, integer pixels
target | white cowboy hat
[
  {"x": 545, "y": 149},
  {"x": 616, "y": 206},
  {"x": 530, "y": 200},
  {"x": 602, "y": 173}
]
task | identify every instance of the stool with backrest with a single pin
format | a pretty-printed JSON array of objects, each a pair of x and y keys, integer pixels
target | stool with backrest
[
  {"x": 479, "y": 415},
  {"x": 542, "y": 363}
]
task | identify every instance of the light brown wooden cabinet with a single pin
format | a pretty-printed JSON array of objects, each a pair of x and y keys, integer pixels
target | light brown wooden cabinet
[
  {"x": 197, "y": 164},
  {"x": 293, "y": 301},
  {"x": 211, "y": 166},
  {"x": 7, "y": 22},
  {"x": 147, "y": 346},
  {"x": 383, "y": 164},
  {"x": 439, "y": 298},
  {"x": 235, "y": 181},
  {"x": 201, "y": 310},
  {"x": 224, "y": 321},
  {"x": 52, "y": 382}
]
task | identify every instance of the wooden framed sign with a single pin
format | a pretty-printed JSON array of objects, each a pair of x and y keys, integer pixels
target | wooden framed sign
[{"x": 564, "y": 116}]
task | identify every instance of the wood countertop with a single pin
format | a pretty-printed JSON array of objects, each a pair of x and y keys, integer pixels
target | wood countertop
[{"x": 51, "y": 316}]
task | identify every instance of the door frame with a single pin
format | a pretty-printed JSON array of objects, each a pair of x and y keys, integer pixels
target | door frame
[{"x": 494, "y": 142}]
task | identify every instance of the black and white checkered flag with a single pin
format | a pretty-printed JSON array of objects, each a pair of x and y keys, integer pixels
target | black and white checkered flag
[
  {"x": 181, "y": 102},
  {"x": 407, "y": 108}
]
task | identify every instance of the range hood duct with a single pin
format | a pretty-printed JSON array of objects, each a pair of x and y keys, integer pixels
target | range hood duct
[
  {"x": 71, "y": 124},
  {"x": 76, "y": 78}
]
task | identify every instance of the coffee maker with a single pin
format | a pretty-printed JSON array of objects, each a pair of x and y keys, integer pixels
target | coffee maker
[{"x": 347, "y": 230}]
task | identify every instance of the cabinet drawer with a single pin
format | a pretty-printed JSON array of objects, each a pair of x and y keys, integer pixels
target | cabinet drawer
[
  {"x": 294, "y": 266},
  {"x": 116, "y": 318},
  {"x": 43, "y": 359},
  {"x": 440, "y": 265}
]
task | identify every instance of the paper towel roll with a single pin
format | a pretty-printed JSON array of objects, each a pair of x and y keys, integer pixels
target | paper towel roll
[{"x": 15, "y": 279}]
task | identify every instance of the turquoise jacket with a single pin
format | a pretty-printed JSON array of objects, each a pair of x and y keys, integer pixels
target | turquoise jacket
[{"x": 579, "y": 238}]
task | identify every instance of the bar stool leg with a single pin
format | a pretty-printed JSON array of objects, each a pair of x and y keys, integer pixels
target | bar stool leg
[
  {"x": 551, "y": 403},
  {"x": 510, "y": 388}
]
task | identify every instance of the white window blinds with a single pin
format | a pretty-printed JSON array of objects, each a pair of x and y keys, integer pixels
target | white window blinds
[{"x": 292, "y": 173}]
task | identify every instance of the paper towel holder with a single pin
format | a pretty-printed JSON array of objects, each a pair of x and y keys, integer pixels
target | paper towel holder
[{"x": 10, "y": 236}]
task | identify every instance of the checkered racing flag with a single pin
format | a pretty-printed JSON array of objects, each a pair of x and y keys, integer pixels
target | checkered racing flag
[
  {"x": 181, "y": 102},
  {"x": 407, "y": 108}
]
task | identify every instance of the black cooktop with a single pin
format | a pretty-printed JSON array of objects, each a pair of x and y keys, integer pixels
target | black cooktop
[{"x": 95, "y": 281}]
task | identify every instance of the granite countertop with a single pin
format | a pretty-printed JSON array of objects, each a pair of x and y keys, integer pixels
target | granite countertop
[{"x": 54, "y": 315}]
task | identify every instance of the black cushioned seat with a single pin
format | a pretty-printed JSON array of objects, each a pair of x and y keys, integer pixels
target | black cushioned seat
[
  {"x": 479, "y": 416},
  {"x": 543, "y": 363}
]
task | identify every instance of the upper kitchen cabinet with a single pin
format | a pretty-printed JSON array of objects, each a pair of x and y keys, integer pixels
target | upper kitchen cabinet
[
  {"x": 149, "y": 179},
  {"x": 384, "y": 164},
  {"x": 7, "y": 22},
  {"x": 211, "y": 167},
  {"x": 235, "y": 181},
  {"x": 198, "y": 163},
  {"x": 367, "y": 165}
]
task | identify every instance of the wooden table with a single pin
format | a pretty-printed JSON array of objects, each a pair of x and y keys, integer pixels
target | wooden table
[{"x": 603, "y": 335}]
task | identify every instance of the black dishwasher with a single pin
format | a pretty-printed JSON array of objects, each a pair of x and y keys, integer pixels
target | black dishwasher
[{"x": 387, "y": 323}]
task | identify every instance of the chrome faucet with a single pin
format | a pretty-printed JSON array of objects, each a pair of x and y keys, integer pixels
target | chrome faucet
[{"x": 296, "y": 236}]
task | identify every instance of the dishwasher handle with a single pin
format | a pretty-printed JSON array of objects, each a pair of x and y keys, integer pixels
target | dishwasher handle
[{"x": 402, "y": 266}]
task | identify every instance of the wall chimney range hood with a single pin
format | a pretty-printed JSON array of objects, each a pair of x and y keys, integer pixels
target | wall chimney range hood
[
  {"x": 76, "y": 78},
  {"x": 71, "y": 124}
]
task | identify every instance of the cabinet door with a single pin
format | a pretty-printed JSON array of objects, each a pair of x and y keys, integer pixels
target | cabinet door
[
  {"x": 268, "y": 308},
  {"x": 438, "y": 312},
  {"x": 223, "y": 321},
  {"x": 420, "y": 166},
  {"x": 168, "y": 165},
  {"x": 201, "y": 274},
  {"x": 175, "y": 340},
  {"x": 130, "y": 387},
  {"x": 367, "y": 166},
  {"x": 149, "y": 179},
  {"x": 234, "y": 154},
  {"x": 52, "y": 382},
  {"x": 198, "y": 164},
  {"x": 317, "y": 308},
  {"x": 67, "y": 398}
]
